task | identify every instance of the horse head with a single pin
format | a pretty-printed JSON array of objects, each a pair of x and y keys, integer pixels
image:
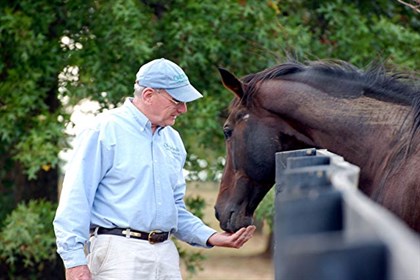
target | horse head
[
  {"x": 252, "y": 137},
  {"x": 322, "y": 104}
]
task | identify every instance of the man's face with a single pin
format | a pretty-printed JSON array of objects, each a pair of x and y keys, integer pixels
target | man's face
[{"x": 166, "y": 108}]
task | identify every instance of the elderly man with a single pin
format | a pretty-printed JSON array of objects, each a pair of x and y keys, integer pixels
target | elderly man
[{"x": 123, "y": 192}]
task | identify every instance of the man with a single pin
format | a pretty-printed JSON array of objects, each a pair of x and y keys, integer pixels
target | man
[{"x": 124, "y": 187}]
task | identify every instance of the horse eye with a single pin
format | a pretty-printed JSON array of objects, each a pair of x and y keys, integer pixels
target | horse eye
[{"x": 227, "y": 131}]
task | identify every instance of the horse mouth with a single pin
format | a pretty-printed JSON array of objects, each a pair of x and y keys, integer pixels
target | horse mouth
[{"x": 236, "y": 221}]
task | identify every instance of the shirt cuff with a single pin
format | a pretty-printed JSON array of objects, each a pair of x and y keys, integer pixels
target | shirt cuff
[
  {"x": 74, "y": 258},
  {"x": 203, "y": 236}
]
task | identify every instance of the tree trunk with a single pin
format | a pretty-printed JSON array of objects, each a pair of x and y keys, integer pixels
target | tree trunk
[{"x": 15, "y": 186}]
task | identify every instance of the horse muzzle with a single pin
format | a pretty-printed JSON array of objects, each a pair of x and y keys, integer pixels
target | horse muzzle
[{"x": 232, "y": 220}]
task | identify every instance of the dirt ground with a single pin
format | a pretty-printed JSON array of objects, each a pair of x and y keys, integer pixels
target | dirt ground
[{"x": 246, "y": 263}]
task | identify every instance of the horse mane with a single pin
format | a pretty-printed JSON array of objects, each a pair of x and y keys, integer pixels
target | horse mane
[{"x": 375, "y": 82}]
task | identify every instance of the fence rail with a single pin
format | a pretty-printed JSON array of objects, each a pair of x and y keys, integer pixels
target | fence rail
[{"x": 326, "y": 229}]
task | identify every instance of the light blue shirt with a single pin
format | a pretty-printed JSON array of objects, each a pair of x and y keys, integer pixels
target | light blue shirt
[{"x": 122, "y": 175}]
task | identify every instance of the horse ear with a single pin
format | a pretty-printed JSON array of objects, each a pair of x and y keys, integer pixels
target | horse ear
[{"x": 231, "y": 82}]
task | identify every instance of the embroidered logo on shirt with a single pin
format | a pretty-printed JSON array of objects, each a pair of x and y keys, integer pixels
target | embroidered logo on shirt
[{"x": 172, "y": 149}]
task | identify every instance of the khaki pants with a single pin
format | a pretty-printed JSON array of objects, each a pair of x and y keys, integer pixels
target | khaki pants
[{"x": 116, "y": 257}]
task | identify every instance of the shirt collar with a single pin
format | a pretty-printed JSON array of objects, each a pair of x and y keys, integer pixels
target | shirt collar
[{"x": 140, "y": 118}]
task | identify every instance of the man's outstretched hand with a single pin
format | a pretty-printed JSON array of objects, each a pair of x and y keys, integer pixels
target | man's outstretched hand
[{"x": 232, "y": 240}]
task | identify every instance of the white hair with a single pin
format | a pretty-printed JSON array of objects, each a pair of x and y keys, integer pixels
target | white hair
[{"x": 138, "y": 89}]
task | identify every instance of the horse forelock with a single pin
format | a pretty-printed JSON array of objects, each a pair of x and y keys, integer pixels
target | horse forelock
[{"x": 234, "y": 103}]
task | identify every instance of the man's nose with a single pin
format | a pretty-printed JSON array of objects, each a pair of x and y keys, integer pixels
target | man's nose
[{"x": 182, "y": 107}]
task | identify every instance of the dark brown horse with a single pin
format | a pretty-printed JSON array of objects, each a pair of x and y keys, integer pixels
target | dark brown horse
[{"x": 370, "y": 118}]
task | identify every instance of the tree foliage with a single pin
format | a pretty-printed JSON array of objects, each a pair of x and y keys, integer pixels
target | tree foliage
[{"x": 27, "y": 243}]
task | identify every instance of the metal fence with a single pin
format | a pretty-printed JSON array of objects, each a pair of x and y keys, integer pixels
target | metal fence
[{"x": 326, "y": 229}]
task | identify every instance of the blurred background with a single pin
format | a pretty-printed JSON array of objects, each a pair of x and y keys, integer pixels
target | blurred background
[{"x": 64, "y": 61}]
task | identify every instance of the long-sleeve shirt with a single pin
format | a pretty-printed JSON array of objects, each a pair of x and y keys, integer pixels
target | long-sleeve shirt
[{"x": 123, "y": 175}]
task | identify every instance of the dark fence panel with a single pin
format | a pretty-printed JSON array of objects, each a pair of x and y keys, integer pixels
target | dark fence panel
[{"x": 326, "y": 229}]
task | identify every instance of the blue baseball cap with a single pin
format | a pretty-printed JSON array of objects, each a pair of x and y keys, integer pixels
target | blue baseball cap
[{"x": 164, "y": 74}]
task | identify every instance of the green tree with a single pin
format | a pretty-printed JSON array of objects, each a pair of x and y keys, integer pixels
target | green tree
[
  {"x": 30, "y": 135},
  {"x": 56, "y": 53},
  {"x": 355, "y": 31}
]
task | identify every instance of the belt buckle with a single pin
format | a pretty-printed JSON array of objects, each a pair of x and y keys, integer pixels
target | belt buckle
[
  {"x": 131, "y": 233},
  {"x": 149, "y": 238}
]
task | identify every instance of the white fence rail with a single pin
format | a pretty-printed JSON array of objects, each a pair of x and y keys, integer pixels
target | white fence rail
[{"x": 326, "y": 229}]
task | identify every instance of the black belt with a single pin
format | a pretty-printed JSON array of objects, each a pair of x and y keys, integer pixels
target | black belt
[{"x": 153, "y": 236}]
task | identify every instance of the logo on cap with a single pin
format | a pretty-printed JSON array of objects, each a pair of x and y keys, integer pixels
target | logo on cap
[{"x": 180, "y": 78}]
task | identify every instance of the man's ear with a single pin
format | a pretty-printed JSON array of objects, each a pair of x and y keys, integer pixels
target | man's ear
[{"x": 147, "y": 94}]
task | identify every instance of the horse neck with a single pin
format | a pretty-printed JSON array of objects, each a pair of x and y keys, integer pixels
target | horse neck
[{"x": 361, "y": 130}]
